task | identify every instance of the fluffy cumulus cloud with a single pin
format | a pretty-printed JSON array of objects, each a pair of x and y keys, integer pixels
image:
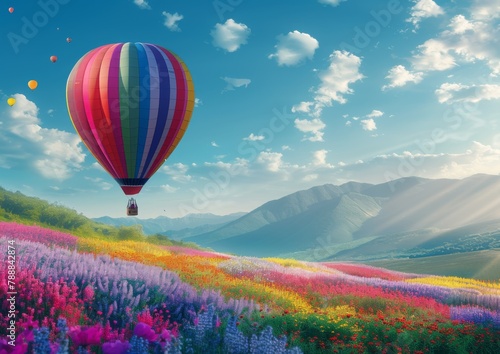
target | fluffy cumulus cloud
[
  {"x": 177, "y": 172},
  {"x": 171, "y": 21},
  {"x": 54, "y": 154},
  {"x": 400, "y": 76},
  {"x": 375, "y": 113},
  {"x": 434, "y": 55},
  {"x": 453, "y": 92},
  {"x": 272, "y": 161},
  {"x": 230, "y": 35},
  {"x": 331, "y": 2},
  {"x": 304, "y": 107},
  {"x": 313, "y": 128},
  {"x": 470, "y": 38},
  {"x": 319, "y": 159},
  {"x": 143, "y": 4},
  {"x": 336, "y": 79},
  {"x": 294, "y": 47},
  {"x": 423, "y": 9},
  {"x": 232, "y": 83},
  {"x": 368, "y": 124}
]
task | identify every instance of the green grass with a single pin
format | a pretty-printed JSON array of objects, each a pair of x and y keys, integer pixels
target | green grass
[{"x": 483, "y": 265}]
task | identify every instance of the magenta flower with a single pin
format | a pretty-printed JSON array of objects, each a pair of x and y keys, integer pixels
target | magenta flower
[
  {"x": 116, "y": 347},
  {"x": 145, "y": 331},
  {"x": 85, "y": 335}
]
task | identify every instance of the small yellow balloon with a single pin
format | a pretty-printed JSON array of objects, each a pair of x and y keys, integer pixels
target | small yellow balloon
[
  {"x": 11, "y": 101},
  {"x": 32, "y": 84}
]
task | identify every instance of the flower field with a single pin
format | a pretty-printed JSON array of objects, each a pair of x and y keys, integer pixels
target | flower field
[{"x": 88, "y": 295}]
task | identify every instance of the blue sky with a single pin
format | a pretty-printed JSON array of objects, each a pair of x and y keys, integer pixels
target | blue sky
[{"x": 289, "y": 95}]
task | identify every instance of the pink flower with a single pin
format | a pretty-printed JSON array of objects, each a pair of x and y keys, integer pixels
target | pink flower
[
  {"x": 85, "y": 335},
  {"x": 116, "y": 347},
  {"x": 145, "y": 331},
  {"x": 88, "y": 293}
]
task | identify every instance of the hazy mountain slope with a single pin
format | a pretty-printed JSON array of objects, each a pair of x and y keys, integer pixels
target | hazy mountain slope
[
  {"x": 443, "y": 204},
  {"x": 364, "y": 221},
  {"x": 162, "y": 223},
  {"x": 330, "y": 221},
  {"x": 271, "y": 212}
]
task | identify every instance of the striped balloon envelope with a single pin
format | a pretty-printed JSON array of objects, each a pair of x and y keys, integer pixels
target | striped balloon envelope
[{"x": 131, "y": 103}]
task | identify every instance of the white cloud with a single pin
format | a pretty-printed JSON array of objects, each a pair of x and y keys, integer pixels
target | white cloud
[
  {"x": 285, "y": 147},
  {"x": 375, "y": 113},
  {"x": 294, "y": 47},
  {"x": 178, "y": 172},
  {"x": 331, "y": 2},
  {"x": 171, "y": 21},
  {"x": 253, "y": 137},
  {"x": 232, "y": 83},
  {"x": 313, "y": 128},
  {"x": 55, "y": 154},
  {"x": 214, "y": 144},
  {"x": 197, "y": 102},
  {"x": 465, "y": 40},
  {"x": 229, "y": 35},
  {"x": 168, "y": 188},
  {"x": 478, "y": 158},
  {"x": 459, "y": 24},
  {"x": 434, "y": 54},
  {"x": 348, "y": 123},
  {"x": 304, "y": 107},
  {"x": 423, "y": 9},
  {"x": 335, "y": 80},
  {"x": 271, "y": 160},
  {"x": 143, "y": 4},
  {"x": 399, "y": 76},
  {"x": 453, "y": 92},
  {"x": 368, "y": 124},
  {"x": 319, "y": 159}
]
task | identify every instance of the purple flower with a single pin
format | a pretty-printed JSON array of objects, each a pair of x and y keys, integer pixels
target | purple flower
[
  {"x": 145, "y": 331},
  {"x": 116, "y": 347},
  {"x": 83, "y": 336}
]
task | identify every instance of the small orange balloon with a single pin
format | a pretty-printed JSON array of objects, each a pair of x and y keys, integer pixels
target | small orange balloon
[
  {"x": 32, "y": 84},
  {"x": 11, "y": 9},
  {"x": 53, "y": 58}
]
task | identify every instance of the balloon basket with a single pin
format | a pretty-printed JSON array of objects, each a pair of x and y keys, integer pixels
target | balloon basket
[{"x": 132, "y": 208}]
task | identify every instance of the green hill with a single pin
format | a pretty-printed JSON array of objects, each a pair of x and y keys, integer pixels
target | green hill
[{"x": 17, "y": 207}]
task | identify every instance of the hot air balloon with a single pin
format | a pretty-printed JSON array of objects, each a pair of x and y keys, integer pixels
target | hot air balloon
[
  {"x": 11, "y": 101},
  {"x": 131, "y": 103},
  {"x": 11, "y": 9},
  {"x": 32, "y": 84},
  {"x": 53, "y": 58},
  {"x": 68, "y": 40}
]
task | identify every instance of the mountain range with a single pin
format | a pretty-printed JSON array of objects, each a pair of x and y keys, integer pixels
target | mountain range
[
  {"x": 175, "y": 228},
  {"x": 408, "y": 217}
]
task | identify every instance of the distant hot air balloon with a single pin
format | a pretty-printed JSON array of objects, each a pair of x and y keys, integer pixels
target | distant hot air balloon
[
  {"x": 53, "y": 58},
  {"x": 11, "y": 101},
  {"x": 32, "y": 84},
  {"x": 11, "y": 9},
  {"x": 68, "y": 40},
  {"x": 131, "y": 104}
]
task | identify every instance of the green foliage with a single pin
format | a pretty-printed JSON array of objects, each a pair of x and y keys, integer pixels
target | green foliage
[{"x": 16, "y": 207}]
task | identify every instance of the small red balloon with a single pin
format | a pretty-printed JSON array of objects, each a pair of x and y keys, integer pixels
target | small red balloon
[
  {"x": 53, "y": 58},
  {"x": 11, "y": 9}
]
